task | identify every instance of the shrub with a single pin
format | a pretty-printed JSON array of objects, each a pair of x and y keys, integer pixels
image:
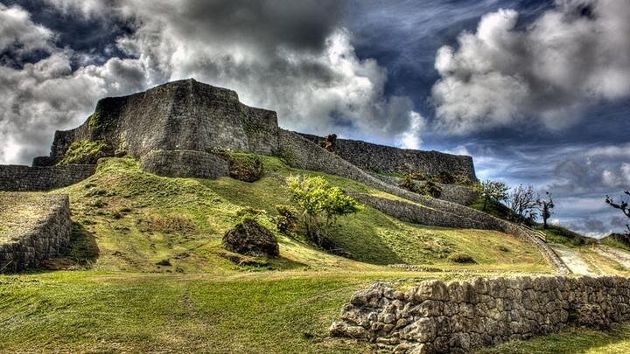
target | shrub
[
  {"x": 85, "y": 152},
  {"x": 321, "y": 205},
  {"x": 286, "y": 222},
  {"x": 430, "y": 188},
  {"x": 445, "y": 177},
  {"x": 461, "y": 258},
  {"x": 408, "y": 183},
  {"x": 245, "y": 167}
]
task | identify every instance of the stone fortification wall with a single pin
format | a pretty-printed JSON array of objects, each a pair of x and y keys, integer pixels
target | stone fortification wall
[
  {"x": 438, "y": 317},
  {"x": 35, "y": 228},
  {"x": 180, "y": 115},
  {"x": 387, "y": 159},
  {"x": 302, "y": 153},
  {"x": 184, "y": 163},
  {"x": 418, "y": 214},
  {"x": 24, "y": 178}
]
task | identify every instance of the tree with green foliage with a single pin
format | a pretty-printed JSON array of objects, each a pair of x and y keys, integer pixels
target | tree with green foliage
[
  {"x": 621, "y": 205},
  {"x": 545, "y": 205},
  {"x": 321, "y": 204},
  {"x": 492, "y": 192}
]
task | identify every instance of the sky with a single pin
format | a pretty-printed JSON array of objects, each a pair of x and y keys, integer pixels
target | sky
[{"x": 538, "y": 92}]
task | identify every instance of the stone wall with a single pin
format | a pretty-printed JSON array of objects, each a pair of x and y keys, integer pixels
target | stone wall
[
  {"x": 24, "y": 178},
  {"x": 388, "y": 159},
  {"x": 419, "y": 214},
  {"x": 455, "y": 193},
  {"x": 184, "y": 163},
  {"x": 180, "y": 115},
  {"x": 438, "y": 317},
  {"x": 46, "y": 235}
]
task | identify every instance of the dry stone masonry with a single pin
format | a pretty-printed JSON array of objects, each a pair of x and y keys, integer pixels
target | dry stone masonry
[
  {"x": 438, "y": 317},
  {"x": 23, "y": 178},
  {"x": 33, "y": 228},
  {"x": 387, "y": 159}
]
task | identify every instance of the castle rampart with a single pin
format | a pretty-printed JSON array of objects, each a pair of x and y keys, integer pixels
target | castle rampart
[{"x": 388, "y": 159}]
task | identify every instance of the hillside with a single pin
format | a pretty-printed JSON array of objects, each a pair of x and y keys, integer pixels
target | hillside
[
  {"x": 149, "y": 272},
  {"x": 126, "y": 219}
]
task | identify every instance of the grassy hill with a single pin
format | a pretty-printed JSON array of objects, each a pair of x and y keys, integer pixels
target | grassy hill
[
  {"x": 126, "y": 219},
  {"x": 146, "y": 271}
]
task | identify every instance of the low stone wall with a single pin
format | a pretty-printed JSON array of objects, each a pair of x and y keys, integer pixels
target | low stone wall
[
  {"x": 24, "y": 178},
  {"x": 438, "y": 317},
  {"x": 184, "y": 163},
  {"x": 418, "y": 214},
  {"x": 39, "y": 237},
  {"x": 454, "y": 193},
  {"x": 388, "y": 159}
]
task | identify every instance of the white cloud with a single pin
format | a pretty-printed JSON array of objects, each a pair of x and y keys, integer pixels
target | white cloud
[
  {"x": 411, "y": 138},
  {"x": 19, "y": 34},
  {"x": 549, "y": 72}
]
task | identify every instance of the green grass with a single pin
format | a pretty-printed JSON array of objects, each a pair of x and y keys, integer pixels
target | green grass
[
  {"x": 573, "y": 340},
  {"x": 123, "y": 297},
  {"x": 564, "y": 236},
  {"x": 279, "y": 312},
  {"x": 124, "y": 212},
  {"x": 612, "y": 242}
]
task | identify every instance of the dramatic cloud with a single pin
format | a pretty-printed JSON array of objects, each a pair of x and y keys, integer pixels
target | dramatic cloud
[
  {"x": 571, "y": 57},
  {"x": 292, "y": 57},
  {"x": 19, "y": 35}
]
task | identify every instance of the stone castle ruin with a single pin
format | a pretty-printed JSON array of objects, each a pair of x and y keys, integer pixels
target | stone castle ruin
[
  {"x": 184, "y": 128},
  {"x": 178, "y": 129},
  {"x": 187, "y": 129}
]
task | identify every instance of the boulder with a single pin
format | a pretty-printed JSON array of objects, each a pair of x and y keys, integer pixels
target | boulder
[{"x": 250, "y": 238}]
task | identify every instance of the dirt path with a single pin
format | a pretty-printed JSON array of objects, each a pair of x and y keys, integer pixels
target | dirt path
[
  {"x": 572, "y": 259},
  {"x": 617, "y": 255}
]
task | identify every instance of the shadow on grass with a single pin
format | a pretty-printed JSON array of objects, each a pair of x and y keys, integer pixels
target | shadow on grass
[{"x": 82, "y": 252}]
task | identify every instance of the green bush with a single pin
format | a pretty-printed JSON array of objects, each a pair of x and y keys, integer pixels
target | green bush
[
  {"x": 445, "y": 177},
  {"x": 85, "y": 152},
  {"x": 245, "y": 167},
  {"x": 431, "y": 189},
  {"x": 321, "y": 204},
  {"x": 461, "y": 258}
]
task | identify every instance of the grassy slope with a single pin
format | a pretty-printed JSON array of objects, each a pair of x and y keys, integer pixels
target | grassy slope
[
  {"x": 135, "y": 219},
  {"x": 129, "y": 220}
]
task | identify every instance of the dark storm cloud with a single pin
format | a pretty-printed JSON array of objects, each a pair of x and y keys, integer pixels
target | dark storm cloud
[{"x": 293, "y": 57}]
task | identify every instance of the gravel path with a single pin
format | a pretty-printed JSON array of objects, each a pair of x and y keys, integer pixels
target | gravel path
[
  {"x": 572, "y": 259},
  {"x": 617, "y": 255}
]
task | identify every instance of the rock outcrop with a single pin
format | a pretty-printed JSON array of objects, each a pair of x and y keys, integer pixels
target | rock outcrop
[{"x": 252, "y": 239}]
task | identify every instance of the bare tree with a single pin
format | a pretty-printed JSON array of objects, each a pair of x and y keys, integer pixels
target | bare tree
[
  {"x": 522, "y": 201},
  {"x": 621, "y": 205},
  {"x": 545, "y": 206}
]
